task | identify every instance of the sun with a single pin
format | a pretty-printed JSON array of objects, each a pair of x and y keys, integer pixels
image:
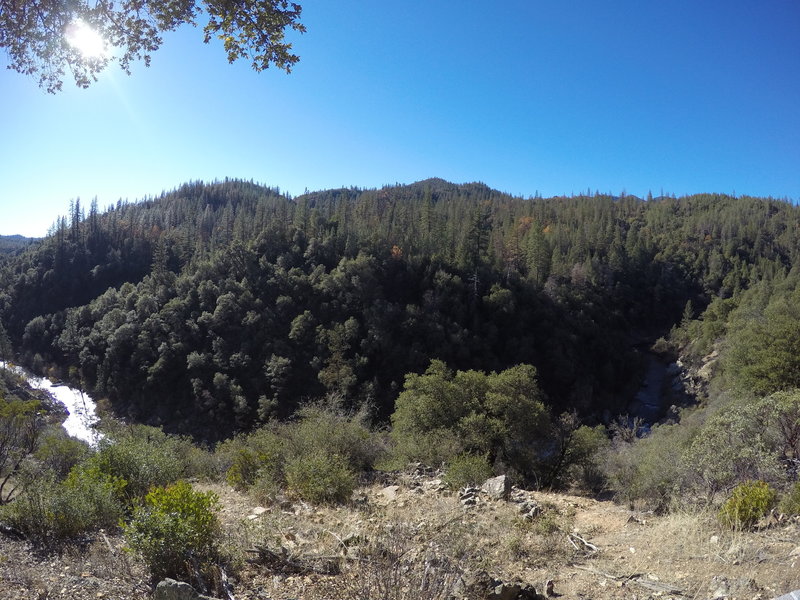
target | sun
[{"x": 86, "y": 40}]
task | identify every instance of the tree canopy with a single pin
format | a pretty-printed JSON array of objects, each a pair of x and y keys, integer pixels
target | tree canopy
[
  {"x": 46, "y": 38},
  {"x": 219, "y": 306}
]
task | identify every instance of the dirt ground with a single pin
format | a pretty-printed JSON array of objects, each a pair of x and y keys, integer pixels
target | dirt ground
[{"x": 589, "y": 549}]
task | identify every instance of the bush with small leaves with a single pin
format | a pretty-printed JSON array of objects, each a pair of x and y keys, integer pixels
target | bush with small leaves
[
  {"x": 320, "y": 478},
  {"x": 467, "y": 470},
  {"x": 51, "y": 513},
  {"x": 20, "y": 426},
  {"x": 735, "y": 445},
  {"x": 323, "y": 441},
  {"x": 748, "y": 502},
  {"x": 244, "y": 469},
  {"x": 143, "y": 456},
  {"x": 59, "y": 452},
  {"x": 176, "y": 531},
  {"x": 325, "y": 426},
  {"x": 790, "y": 503},
  {"x": 649, "y": 470},
  {"x": 248, "y": 458}
]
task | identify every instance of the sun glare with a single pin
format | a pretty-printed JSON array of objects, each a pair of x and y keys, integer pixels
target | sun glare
[{"x": 86, "y": 40}]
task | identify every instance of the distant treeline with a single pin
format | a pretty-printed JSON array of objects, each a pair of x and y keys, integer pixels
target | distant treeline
[{"x": 14, "y": 243}]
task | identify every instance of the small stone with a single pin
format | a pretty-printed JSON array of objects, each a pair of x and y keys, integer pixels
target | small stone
[
  {"x": 259, "y": 510},
  {"x": 390, "y": 492},
  {"x": 548, "y": 587}
]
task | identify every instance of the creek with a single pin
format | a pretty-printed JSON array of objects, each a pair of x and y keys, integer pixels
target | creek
[
  {"x": 81, "y": 408},
  {"x": 650, "y": 400}
]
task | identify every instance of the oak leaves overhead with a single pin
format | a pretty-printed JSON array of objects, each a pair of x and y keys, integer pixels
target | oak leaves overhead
[{"x": 34, "y": 33}]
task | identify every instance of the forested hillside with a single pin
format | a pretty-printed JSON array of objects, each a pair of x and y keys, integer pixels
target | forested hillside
[
  {"x": 10, "y": 244},
  {"x": 218, "y": 306}
]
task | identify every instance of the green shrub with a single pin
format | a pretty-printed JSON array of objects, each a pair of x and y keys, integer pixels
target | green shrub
[
  {"x": 243, "y": 471},
  {"x": 790, "y": 503},
  {"x": 650, "y": 469},
  {"x": 245, "y": 457},
  {"x": 60, "y": 453},
  {"x": 143, "y": 456},
  {"x": 320, "y": 478},
  {"x": 467, "y": 470},
  {"x": 734, "y": 446},
  {"x": 51, "y": 513},
  {"x": 326, "y": 427},
  {"x": 267, "y": 487},
  {"x": 316, "y": 456},
  {"x": 193, "y": 460},
  {"x": 434, "y": 448},
  {"x": 20, "y": 426},
  {"x": 499, "y": 414},
  {"x": 748, "y": 502},
  {"x": 176, "y": 531}
]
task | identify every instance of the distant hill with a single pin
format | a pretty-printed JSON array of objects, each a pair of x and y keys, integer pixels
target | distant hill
[{"x": 13, "y": 243}]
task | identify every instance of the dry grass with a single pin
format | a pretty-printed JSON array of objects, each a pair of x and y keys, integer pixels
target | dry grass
[{"x": 413, "y": 542}]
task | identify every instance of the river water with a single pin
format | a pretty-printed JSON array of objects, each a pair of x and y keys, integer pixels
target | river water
[
  {"x": 649, "y": 401},
  {"x": 81, "y": 407}
]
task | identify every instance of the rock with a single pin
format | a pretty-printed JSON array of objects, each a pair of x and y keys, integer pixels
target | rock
[
  {"x": 469, "y": 496},
  {"x": 435, "y": 485},
  {"x": 506, "y": 591},
  {"x": 482, "y": 585},
  {"x": 722, "y": 587},
  {"x": 259, "y": 510},
  {"x": 169, "y": 589},
  {"x": 498, "y": 487},
  {"x": 530, "y": 510},
  {"x": 673, "y": 369},
  {"x": 390, "y": 492},
  {"x": 706, "y": 371}
]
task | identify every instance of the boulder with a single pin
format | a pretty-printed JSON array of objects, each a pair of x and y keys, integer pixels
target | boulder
[
  {"x": 498, "y": 487},
  {"x": 169, "y": 589}
]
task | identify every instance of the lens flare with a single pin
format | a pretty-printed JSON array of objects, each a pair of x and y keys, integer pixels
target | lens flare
[{"x": 86, "y": 40}]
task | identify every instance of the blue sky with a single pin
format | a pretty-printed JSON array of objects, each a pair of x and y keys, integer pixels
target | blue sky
[{"x": 526, "y": 96}]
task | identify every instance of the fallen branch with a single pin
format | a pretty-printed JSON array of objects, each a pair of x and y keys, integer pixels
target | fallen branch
[
  {"x": 283, "y": 562},
  {"x": 592, "y": 549},
  {"x": 638, "y": 578}
]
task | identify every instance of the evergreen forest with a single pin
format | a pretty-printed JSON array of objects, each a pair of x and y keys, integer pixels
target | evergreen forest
[{"x": 219, "y": 306}]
